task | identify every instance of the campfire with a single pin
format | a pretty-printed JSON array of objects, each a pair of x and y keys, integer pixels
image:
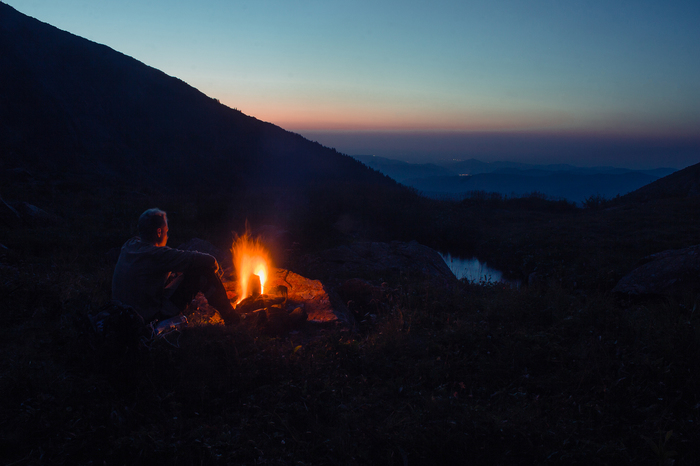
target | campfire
[
  {"x": 273, "y": 296},
  {"x": 252, "y": 263},
  {"x": 270, "y": 298}
]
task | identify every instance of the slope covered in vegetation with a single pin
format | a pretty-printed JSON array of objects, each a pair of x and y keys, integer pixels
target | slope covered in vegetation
[{"x": 560, "y": 372}]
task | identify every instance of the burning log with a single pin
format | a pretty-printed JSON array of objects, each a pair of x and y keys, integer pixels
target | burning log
[
  {"x": 254, "y": 285},
  {"x": 254, "y": 303},
  {"x": 252, "y": 263},
  {"x": 286, "y": 297}
]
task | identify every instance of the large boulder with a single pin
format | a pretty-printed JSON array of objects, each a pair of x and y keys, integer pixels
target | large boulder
[
  {"x": 667, "y": 272},
  {"x": 320, "y": 303},
  {"x": 379, "y": 262}
]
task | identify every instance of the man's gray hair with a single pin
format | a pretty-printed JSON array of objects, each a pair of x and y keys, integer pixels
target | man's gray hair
[{"x": 149, "y": 222}]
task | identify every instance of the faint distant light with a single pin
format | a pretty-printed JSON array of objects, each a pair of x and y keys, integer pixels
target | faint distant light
[{"x": 464, "y": 174}]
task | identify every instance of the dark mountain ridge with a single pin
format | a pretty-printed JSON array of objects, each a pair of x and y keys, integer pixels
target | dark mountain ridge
[
  {"x": 681, "y": 184},
  {"x": 71, "y": 106}
]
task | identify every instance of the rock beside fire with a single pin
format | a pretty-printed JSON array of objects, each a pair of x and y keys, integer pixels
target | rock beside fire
[
  {"x": 379, "y": 262},
  {"x": 319, "y": 303}
]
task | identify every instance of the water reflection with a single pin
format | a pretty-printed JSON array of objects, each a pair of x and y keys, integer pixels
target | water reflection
[{"x": 475, "y": 271}]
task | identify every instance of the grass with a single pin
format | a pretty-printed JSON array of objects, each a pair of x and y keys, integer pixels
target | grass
[
  {"x": 482, "y": 372},
  {"x": 560, "y": 373}
]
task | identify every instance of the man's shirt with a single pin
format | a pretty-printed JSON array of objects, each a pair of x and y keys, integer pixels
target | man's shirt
[{"x": 143, "y": 270}]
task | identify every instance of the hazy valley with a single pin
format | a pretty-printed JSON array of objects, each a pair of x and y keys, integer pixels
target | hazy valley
[{"x": 457, "y": 179}]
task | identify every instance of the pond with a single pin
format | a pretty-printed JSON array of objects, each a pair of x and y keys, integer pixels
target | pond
[{"x": 476, "y": 271}]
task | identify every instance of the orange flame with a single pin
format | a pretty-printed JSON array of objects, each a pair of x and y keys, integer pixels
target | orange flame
[{"x": 249, "y": 258}]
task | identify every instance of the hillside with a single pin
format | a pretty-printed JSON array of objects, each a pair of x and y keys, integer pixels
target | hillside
[
  {"x": 73, "y": 107},
  {"x": 681, "y": 184}
]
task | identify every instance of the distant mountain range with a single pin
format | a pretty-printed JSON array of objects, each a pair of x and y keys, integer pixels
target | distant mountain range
[{"x": 457, "y": 178}]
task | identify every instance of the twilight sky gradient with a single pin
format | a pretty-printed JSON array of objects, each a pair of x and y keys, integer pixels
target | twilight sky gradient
[{"x": 347, "y": 72}]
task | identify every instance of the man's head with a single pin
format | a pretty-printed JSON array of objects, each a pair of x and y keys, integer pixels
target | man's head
[{"x": 153, "y": 227}]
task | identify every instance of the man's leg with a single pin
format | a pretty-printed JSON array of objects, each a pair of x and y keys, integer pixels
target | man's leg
[{"x": 205, "y": 280}]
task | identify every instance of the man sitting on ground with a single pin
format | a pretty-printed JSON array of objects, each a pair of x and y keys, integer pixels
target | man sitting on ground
[{"x": 145, "y": 275}]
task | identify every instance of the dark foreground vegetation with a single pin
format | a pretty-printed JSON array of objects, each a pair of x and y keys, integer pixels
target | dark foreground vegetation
[{"x": 560, "y": 372}]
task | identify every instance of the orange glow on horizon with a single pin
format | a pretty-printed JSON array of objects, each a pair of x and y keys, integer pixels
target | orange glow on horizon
[
  {"x": 304, "y": 116},
  {"x": 373, "y": 119}
]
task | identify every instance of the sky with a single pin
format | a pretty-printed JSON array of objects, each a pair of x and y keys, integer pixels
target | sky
[{"x": 358, "y": 75}]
